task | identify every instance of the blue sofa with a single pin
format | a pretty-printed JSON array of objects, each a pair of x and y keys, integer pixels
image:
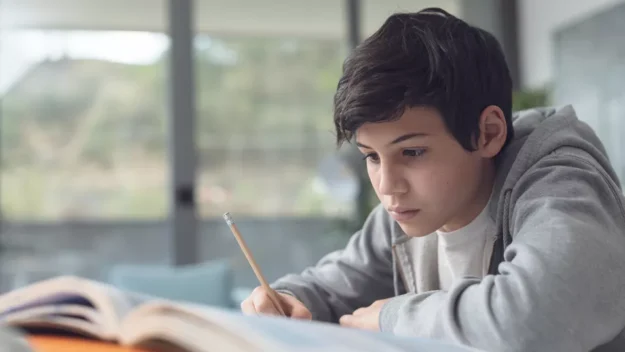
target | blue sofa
[{"x": 208, "y": 283}]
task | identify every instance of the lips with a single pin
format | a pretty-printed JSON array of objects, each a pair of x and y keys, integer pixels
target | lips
[{"x": 402, "y": 214}]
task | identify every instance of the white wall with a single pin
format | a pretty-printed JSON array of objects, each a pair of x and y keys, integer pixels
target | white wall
[
  {"x": 537, "y": 21},
  {"x": 375, "y": 12},
  {"x": 319, "y": 18},
  {"x": 316, "y": 18}
]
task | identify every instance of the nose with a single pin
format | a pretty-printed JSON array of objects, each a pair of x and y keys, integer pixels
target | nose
[{"x": 391, "y": 181}]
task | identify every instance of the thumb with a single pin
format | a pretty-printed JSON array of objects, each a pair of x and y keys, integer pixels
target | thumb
[{"x": 298, "y": 311}]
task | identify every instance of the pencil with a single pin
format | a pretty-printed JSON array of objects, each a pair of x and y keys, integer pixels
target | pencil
[{"x": 273, "y": 296}]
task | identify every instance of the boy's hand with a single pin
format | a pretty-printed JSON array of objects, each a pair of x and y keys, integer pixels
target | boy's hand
[
  {"x": 260, "y": 303},
  {"x": 365, "y": 318}
]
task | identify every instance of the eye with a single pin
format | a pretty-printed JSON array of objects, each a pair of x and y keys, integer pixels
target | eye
[
  {"x": 414, "y": 152},
  {"x": 372, "y": 157}
]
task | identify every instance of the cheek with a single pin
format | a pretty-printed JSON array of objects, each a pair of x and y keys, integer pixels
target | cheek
[
  {"x": 443, "y": 185},
  {"x": 430, "y": 186},
  {"x": 374, "y": 177}
]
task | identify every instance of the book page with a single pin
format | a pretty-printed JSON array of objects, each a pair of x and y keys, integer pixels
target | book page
[
  {"x": 54, "y": 299},
  {"x": 183, "y": 333},
  {"x": 62, "y": 325},
  {"x": 124, "y": 302},
  {"x": 280, "y": 334},
  {"x": 73, "y": 311},
  {"x": 297, "y": 335},
  {"x": 110, "y": 303}
]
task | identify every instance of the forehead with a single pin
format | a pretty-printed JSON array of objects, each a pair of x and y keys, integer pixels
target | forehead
[{"x": 421, "y": 120}]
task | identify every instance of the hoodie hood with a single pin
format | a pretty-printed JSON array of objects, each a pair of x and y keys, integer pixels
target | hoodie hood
[{"x": 538, "y": 133}]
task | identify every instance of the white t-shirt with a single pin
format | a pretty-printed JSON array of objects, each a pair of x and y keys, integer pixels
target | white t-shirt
[{"x": 466, "y": 251}]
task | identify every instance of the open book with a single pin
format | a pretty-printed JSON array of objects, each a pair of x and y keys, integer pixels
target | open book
[{"x": 69, "y": 304}]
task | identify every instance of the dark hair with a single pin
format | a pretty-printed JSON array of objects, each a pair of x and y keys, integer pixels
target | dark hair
[{"x": 429, "y": 58}]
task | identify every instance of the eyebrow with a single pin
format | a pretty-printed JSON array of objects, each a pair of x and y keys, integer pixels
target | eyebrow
[{"x": 397, "y": 140}]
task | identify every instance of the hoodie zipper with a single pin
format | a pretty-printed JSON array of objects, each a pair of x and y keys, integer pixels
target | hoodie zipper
[
  {"x": 400, "y": 269},
  {"x": 490, "y": 249},
  {"x": 499, "y": 243}
]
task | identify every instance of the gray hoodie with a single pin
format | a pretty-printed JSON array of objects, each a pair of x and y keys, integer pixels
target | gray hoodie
[{"x": 557, "y": 274}]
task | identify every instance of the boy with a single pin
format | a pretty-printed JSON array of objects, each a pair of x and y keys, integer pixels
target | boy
[{"x": 499, "y": 235}]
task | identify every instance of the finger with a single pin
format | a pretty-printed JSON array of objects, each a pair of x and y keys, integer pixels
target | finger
[
  {"x": 359, "y": 311},
  {"x": 380, "y": 303},
  {"x": 288, "y": 302},
  {"x": 300, "y": 312},
  {"x": 278, "y": 304},
  {"x": 263, "y": 304},
  {"x": 347, "y": 320},
  {"x": 247, "y": 307},
  {"x": 259, "y": 290}
]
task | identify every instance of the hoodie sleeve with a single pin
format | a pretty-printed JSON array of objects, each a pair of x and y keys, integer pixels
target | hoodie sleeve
[
  {"x": 560, "y": 286},
  {"x": 348, "y": 279}
]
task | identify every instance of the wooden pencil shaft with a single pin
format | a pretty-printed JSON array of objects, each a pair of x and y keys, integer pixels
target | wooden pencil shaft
[{"x": 248, "y": 255}]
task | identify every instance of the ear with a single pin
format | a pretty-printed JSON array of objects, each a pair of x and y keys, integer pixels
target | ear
[{"x": 493, "y": 131}]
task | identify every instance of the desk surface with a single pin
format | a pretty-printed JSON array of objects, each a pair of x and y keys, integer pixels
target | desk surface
[{"x": 44, "y": 343}]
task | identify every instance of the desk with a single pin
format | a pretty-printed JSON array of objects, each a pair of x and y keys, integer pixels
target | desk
[{"x": 45, "y": 343}]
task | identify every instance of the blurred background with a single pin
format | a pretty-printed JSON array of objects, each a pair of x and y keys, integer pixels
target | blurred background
[{"x": 128, "y": 127}]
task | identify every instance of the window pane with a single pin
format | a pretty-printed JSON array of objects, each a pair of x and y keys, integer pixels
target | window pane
[
  {"x": 265, "y": 124},
  {"x": 83, "y": 121},
  {"x": 83, "y": 166},
  {"x": 266, "y": 79}
]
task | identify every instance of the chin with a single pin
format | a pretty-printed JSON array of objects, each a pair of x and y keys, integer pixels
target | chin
[{"x": 413, "y": 230}]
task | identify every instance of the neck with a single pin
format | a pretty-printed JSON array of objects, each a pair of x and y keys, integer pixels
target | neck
[{"x": 482, "y": 196}]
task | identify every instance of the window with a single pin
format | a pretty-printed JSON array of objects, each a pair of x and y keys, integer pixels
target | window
[
  {"x": 264, "y": 99},
  {"x": 83, "y": 166},
  {"x": 83, "y": 124}
]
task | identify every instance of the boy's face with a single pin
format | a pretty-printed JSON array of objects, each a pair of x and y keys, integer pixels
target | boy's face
[{"x": 423, "y": 176}]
